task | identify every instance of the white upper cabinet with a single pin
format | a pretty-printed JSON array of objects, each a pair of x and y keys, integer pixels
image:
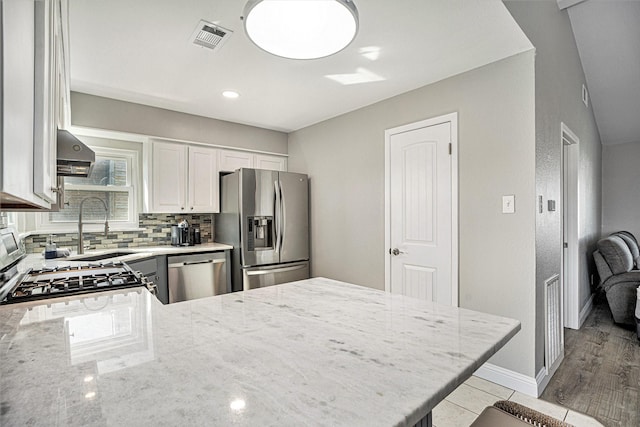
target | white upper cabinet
[
  {"x": 276, "y": 163},
  {"x": 17, "y": 101},
  {"x": 168, "y": 184},
  {"x": 203, "y": 180},
  {"x": 230, "y": 160},
  {"x": 183, "y": 178},
  {"x": 34, "y": 101},
  {"x": 51, "y": 84}
]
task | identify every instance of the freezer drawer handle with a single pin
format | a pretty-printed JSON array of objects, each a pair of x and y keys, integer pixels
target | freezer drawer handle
[
  {"x": 275, "y": 270},
  {"x": 207, "y": 261}
]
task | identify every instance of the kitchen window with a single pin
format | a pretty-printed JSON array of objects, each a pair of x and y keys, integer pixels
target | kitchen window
[{"x": 112, "y": 180}]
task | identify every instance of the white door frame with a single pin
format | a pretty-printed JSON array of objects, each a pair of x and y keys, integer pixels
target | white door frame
[
  {"x": 451, "y": 118},
  {"x": 571, "y": 221}
]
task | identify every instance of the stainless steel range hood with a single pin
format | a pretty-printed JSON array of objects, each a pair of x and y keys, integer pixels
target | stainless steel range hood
[{"x": 74, "y": 157}]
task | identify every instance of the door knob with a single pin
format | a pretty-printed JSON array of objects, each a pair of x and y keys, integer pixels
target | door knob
[{"x": 396, "y": 251}]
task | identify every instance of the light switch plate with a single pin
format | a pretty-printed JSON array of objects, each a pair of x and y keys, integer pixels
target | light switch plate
[{"x": 509, "y": 204}]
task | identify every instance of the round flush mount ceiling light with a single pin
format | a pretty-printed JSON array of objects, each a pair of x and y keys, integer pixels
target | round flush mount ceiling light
[{"x": 301, "y": 29}]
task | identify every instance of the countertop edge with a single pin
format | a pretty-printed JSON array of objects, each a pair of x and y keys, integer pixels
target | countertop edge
[{"x": 36, "y": 260}]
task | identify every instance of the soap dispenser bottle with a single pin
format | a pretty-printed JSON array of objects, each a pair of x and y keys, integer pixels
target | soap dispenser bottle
[{"x": 50, "y": 250}]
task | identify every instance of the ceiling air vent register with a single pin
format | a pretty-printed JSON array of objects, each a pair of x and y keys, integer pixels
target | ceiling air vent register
[{"x": 210, "y": 35}]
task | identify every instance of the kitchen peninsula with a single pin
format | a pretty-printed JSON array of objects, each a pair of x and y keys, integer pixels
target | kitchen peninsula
[{"x": 313, "y": 352}]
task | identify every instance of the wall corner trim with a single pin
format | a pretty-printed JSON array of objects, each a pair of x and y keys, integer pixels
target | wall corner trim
[
  {"x": 586, "y": 310},
  {"x": 513, "y": 380}
]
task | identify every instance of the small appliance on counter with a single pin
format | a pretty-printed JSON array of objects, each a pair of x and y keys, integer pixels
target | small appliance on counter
[{"x": 181, "y": 234}]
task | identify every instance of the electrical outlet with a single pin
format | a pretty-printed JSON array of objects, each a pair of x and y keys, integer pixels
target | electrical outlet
[{"x": 509, "y": 204}]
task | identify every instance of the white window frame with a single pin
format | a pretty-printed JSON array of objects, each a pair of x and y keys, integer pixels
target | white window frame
[{"x": 131, "y": 156}]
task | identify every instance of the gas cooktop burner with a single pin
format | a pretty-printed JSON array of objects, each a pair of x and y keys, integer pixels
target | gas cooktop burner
[{"x": 60, "y": 281}]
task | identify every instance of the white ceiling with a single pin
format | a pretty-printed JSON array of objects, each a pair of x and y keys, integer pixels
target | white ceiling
[
  {"x": 608, "y": 37},
  {"x": 140, "y": 51}
]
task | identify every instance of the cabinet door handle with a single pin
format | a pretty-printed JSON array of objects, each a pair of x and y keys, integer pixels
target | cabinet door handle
[
  {"x": 181, "y": 208},
  {"x": 191, "y": 207}
]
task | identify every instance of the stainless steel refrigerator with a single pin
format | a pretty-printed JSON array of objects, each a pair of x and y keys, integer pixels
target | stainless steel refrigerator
[{"x": 265, "y": 216}]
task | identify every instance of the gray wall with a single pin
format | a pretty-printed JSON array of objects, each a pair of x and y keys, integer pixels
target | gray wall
[
  {"x": 110, "y": 114},
  {"x": 621, "y": 188},
  {"x": 559, "y": 79},
  {"x": 344, "y": 157}
]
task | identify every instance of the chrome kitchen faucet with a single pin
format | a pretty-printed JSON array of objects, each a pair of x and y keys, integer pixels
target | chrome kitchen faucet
[{"x": 80, "y": 233}]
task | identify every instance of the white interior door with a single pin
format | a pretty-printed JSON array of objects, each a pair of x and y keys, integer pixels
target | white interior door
[
  {"x": 570, "y": 227},
  {"x": 420, "y": 212}
]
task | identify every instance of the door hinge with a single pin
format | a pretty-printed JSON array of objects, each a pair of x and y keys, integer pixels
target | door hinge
[
  {"x": 565, "y": 245},
  {"x": 450, "y": 148}
]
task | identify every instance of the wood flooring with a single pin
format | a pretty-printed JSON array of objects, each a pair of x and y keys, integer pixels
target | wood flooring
[{"x": 600, "y": 374}]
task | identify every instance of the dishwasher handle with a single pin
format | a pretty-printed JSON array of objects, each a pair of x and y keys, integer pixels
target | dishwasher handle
[{"x": 206, "y": 261}]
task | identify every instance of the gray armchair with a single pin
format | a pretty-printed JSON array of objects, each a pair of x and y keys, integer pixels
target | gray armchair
[{"x": 617, "y": 261}]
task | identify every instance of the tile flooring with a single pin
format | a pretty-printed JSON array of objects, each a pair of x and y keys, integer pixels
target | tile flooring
[{"x": 466, "y": 402}]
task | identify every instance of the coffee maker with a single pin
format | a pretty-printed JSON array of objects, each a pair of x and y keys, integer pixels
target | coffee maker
[{"x": 181, "y": 234}]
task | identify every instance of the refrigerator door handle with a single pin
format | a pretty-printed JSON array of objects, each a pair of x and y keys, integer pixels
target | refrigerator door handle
[
  {"x": 276, "y": 213},
  {"x": 274, "y": 270},
  {"x": 283, "y": 216}
]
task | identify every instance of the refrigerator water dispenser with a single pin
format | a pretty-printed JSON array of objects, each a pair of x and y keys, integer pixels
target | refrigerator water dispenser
[{"x": 260, "y": 233}]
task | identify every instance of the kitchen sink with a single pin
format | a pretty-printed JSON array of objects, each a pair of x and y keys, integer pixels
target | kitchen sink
[{"x": 100, "y": 257}]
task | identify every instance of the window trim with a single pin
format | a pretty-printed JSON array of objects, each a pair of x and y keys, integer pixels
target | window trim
[{"x": 132, "y": 157}]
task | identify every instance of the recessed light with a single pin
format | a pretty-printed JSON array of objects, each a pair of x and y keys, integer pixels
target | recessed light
[
  {"x": 231, "y": 94},
  {"x": 238, "y": 405}
]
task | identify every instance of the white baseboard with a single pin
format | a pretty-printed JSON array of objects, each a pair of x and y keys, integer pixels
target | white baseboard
[
  {"x": 585, "y": 311},
  {"x": 514, "y": 380},
  {"x": 542, "y": 379}
]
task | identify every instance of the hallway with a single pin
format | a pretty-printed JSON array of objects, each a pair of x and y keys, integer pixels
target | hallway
[{"x": 600, "y": 374}]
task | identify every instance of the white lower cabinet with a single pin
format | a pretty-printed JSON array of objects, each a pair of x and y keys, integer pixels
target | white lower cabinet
[
  {"x": 231, "y": 160},
  {"x": 182, "y": 178}
]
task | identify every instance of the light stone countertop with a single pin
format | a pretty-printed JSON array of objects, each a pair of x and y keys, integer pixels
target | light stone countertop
[
  {"x": 37, "y": 261},
  {"x": 317, "y": 352}
]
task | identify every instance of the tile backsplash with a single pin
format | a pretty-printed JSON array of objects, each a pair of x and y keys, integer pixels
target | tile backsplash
[{"x": 156, "y": 231}]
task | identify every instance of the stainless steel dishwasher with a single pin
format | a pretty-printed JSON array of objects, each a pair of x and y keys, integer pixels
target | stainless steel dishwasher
[{"x": 197, "y": 276}]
